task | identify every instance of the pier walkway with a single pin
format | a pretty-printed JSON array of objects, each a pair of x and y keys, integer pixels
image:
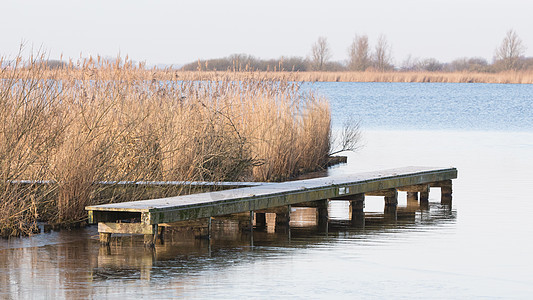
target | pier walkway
[{"x": 147, "y": 215}]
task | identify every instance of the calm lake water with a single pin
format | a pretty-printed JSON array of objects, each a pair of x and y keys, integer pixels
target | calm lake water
[{"x": 480, "y": 248}]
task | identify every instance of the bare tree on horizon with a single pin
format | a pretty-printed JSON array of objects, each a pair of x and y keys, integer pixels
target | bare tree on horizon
[
  {"x": 359, "y": 54},
  {"x": 510, "y": 52},
  {"x": 320, "y": 54},
  {"x": 382, "y": 54}
]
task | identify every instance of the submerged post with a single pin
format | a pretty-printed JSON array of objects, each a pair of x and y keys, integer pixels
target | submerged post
[
  {"x": 391, "y": 204},
  {"x": 252, "y": 221},
  {"x": 260, "y": 219},
  {"x": 105, "y": 238},
  {"x": 416, "y": 192},
  {"x": 424, "y": 194},
  {"x": 209, "y": 227},
  {"x": 161, "y": 234},
  {"x": 390, "y": 212},
  {"x": 322, "y": 211},
  {"x": 283, "y": 218},
  {"x": 412, "y": 199},
  {"x": 446, "y": 192},
  {"x": 150, "y": 239},
  {"x": 391, "y": 197},
  {"x": 357, "y": 205}
]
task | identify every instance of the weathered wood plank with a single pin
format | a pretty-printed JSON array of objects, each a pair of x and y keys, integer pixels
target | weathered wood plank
[
  {"x": 414, "y": 188},
  {"x": 384, "y": 193},
  {"x": 133, "y": 228}
]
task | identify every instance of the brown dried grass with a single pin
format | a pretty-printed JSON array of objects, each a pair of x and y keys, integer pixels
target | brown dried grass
[{"x": 99, "y": 121}]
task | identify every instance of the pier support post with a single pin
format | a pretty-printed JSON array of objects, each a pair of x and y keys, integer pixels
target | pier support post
[
  {"x": 150, "y": 239},
  {"x": 260, "y": 219},
  {"x": 161, "y": 234},
  {"x": 412, "y": 196},
  {"x": 424, "y": 198},
  {"x": 209, "y": 228},
  {"x": 104, "y": 250},
  {"x": 412, "y": 199},
  {"x": 391, "y": 205},
  {"x": 390, "y": 212},
  {"x": 391, "y": 197},
  {"x": 322, "y": 211},
  {"x": 251, "y": 221},
  {"x": 446, "y": 192},
  {"x": 415, "y": 193},
  {"x": 356, "y": 207},
  {"x": 424, "y": 194},
  {"x": 105, "y": 238},
  {"x": 283, "y": 218}
]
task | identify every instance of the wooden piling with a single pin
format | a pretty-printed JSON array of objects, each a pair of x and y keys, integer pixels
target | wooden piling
[
  {"x": 445, "y": 191},
  {"x": 424, "y": 194},
  {"x": 284, "y": 218},
  {"x": 260, "y": 219},
  {"x": 390, "y": 212},
  {"x": 391, "y": 198},
  {"x": 150, "y": 239},
  {"x": 322, "y": 213},
  {"x": 412, "y": 197},
  {"x": 105, "y": 238},
  {"x": 357, "y": 206}
]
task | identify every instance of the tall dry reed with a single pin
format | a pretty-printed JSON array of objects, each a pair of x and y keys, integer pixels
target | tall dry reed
[
  {"x": 95, "y": 120},
  {"x": 520, "y": 77}
]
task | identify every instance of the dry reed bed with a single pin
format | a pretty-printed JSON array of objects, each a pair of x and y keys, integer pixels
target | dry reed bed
[
  {"x": 520, "y": 77},
  {"x": 101, "y": 121}
]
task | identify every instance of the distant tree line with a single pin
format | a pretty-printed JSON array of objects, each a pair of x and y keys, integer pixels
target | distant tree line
[
  {"x": 245, "y": 62},
  {"x": 363, "y": 57}
]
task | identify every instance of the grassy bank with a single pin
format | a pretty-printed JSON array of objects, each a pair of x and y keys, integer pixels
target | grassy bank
[
  {"x": 98, "y": 121},
  {"x": 521, "y": 77}
]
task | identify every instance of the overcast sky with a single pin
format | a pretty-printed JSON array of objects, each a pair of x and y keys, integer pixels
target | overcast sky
[{"x": 177, "y": 32}]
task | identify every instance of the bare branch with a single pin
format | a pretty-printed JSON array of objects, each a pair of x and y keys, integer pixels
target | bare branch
[{"x": 350, "y": 137}]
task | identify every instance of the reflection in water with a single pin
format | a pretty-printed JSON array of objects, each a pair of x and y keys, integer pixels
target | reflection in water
[
  {"x": 184, "y": 251},
  {"x": 75, "y": 266}
]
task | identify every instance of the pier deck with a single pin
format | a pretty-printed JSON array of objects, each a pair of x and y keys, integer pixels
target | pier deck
[{"x": 352, "y": 187}]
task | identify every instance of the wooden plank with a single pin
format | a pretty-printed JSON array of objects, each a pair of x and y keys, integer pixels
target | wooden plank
[
  {"x": 414, "y": 188},
  {"x": 133, "y": 228},
  {"x": 384, "y": 193},
  {"x": 442, "y": 183},
  {"x": 262, "y": 197},
  {"x": 354, "y": 197},
  {"x": 96, "y": 216}
]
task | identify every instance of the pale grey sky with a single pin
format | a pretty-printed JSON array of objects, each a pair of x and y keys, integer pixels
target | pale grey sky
[{"x": 176, "y": 32}]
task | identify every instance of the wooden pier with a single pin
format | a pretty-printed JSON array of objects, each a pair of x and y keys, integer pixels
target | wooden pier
[{"x": 148, "y": 215}]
